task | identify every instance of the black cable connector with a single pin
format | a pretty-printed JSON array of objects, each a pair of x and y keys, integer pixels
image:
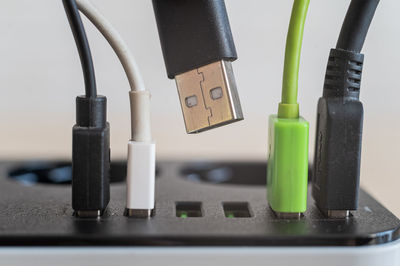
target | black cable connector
[
  {"x": 90, "y": 157},
  {"x": 198, "y": 49},
  {"x": 90, "y": 135},
  {"x": 336, "y": 175},
  {"x": 193, "y": 34}
]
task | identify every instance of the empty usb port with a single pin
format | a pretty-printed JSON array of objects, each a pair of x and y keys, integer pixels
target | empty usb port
[
  {"x": 236, "y": 209},
  {"x": 188, "y": 209}
]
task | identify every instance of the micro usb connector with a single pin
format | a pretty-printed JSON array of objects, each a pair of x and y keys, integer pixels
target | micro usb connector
[
  {"x": 340, "y": 114},
  {"x": 209, "y": 97},
  {"x": 198, "y": 49}
]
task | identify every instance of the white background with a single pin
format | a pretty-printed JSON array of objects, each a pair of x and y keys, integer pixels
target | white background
[{"x": 40, "y": 76}]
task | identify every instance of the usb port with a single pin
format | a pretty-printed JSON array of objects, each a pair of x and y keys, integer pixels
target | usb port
[
  {"x": 209, "y": 97},
  {"x": 188, "y": 209},
  {"x": 236, "y": 209}
]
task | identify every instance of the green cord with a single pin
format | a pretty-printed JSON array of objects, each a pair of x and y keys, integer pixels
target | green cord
[{"x": 289, "y": 108}]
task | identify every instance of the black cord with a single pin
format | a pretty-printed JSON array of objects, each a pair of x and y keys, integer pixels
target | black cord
[
  {"x": 82, "y": 44},
  {"x": 356, "y": 24},
  {"x": 90, "y": 134},
  {"x": 340, "y": 117}
]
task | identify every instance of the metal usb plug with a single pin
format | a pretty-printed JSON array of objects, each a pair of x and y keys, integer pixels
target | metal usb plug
[
  {"x": 209, "y": 97},
  {"x": 198, "y": 48}
]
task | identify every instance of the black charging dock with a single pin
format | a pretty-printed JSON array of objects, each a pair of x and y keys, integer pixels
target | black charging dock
[{"x": 197, "y": 204}]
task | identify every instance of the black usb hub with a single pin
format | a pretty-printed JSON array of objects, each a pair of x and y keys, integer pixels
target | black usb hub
[{"x": 197, "y": 204}]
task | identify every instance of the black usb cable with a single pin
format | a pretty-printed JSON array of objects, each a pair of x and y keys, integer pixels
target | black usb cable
[
  {"x": 91, "y": 134},
  {"x": 336, "y": 174},
  {"x": 198, "y": 49}
]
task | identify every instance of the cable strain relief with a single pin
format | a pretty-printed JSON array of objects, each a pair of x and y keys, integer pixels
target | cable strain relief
[
  {"x": 140, "y": 115},
  {"x": 91, "y": 112},
  {"x": 288, "y": 110},
  {"x": 343, "y": 74}
]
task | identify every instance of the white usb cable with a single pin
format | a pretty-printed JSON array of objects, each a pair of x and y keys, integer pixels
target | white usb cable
[{"x": 141, "y": 148}]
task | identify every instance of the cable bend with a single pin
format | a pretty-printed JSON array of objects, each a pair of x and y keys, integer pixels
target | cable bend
[
  {"x": 117, "y": 43},
  {"x": 82, "y": 45},
  {"x": 356, "y": 24},
  {"x": 139, "y": 96}
]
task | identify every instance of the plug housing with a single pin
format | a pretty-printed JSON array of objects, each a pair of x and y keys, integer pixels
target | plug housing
[
  {"x": 140, "y": 180},
  {"x": 287, "y": 173},
  {"x": 336, "y": 174},
  {"x": 90, "y": 157},
  {"x": 337, "y": 154},
  {"x": 193, "y": 34}
]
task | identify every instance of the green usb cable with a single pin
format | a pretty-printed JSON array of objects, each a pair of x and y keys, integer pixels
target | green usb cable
[{"x": 288, "y": 132}]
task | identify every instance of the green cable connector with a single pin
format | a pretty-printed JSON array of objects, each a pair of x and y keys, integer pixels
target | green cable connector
[
  {"x": 287, "y": 164},
  {"x": 287, "y": 174}
]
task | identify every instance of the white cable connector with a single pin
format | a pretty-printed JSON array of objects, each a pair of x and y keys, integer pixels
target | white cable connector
[
  {"x": 140, "y": 179},
  {"x": 141, "y": 148},
  {"x": 141, "y": 171}
]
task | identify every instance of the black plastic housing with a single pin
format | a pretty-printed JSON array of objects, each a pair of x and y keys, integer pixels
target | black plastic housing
[
  {"x": 27, "y": 218},
  {"x": 336, "y": 174},
  {"x": 90, "y": 155},
  {"x": 193, "y": 33}
]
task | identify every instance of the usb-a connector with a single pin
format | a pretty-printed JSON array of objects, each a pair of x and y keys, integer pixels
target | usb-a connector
[
  {"x": 198, "y": 49},
  {"x": 209, "y": 97}
]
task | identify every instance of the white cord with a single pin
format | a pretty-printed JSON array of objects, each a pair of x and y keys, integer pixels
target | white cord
[
  {"x": 117, "y": 43},
  {"x": 139, "y": 96}
]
